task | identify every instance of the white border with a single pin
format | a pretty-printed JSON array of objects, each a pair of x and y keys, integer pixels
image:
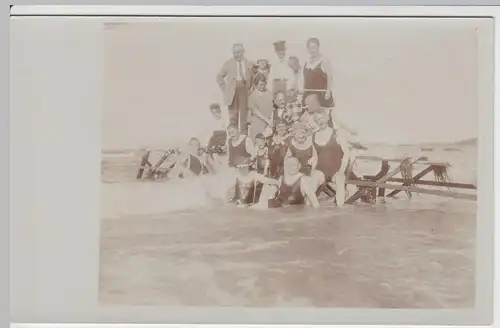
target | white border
[{"x": 209, "y": 11}]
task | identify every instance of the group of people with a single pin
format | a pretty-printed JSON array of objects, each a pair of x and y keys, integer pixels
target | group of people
[{"x": 284, "y": 137}]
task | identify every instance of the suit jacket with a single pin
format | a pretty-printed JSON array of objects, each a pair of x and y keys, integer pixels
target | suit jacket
[{"x": 226, "y": 78}]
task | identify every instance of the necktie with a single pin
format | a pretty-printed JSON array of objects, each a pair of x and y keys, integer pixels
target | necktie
[{"x": 240, "y": 71}]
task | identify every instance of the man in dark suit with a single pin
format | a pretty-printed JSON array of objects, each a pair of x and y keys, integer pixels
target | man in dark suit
[{"x": 235, "y": 80}]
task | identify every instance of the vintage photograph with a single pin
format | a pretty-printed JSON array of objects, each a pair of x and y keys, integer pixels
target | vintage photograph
[{"x": 290, "y": 162}]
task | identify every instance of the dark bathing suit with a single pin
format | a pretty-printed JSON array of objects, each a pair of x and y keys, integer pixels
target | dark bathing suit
[
  {"x": 303, "y": 156},
  {"x": 237, "y": 151},
  {"x": 260, "y": 162},
  {"x": 329, "y": 156},
  {"x": 288, "y": 195},
  {"x": 316, "y": 79},
  {"x": 218, "y": 139},
  {"x": 195, "y": 166},
  {"x": 244, "y": 192},
  {"x": 277, "y": 155}
]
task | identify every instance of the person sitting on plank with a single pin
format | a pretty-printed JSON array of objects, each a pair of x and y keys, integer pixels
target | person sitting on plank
[
  {"x": 248, "y": 184},
  {"x": 294, "y": 188},
  {"x": 333, "y": 156},
  {"x": 193, "y": 162}
]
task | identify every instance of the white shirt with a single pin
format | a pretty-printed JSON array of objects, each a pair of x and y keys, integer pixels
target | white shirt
[
  {"x": 281, "y": 70},
  {"x": 243, "y": 70}
]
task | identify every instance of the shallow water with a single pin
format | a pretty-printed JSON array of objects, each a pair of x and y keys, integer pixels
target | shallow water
[{"x": 160, "y": 247}]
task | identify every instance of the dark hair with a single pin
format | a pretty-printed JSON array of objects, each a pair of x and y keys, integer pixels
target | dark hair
[
  {"x": 293, "y": 58},
  {"x": 258, "y": 78},
  {"x": 259, "y": 136},
  {"x": 313, "y": 40},
  {"x": 215, "y": 106}
]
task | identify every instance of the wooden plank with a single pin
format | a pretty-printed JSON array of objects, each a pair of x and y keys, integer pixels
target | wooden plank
[
  {"x": 144, "y": 161},
  {"x": 399, "y": 160},
  {"x": 430, "y": 183},
  {"x": 413, "y": 189},
  {"x": 166, "y": 155},
  {"x": 415, "y": 178}
]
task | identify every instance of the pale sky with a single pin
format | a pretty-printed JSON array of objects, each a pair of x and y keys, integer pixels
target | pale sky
[{"x": 395, "y": 80}]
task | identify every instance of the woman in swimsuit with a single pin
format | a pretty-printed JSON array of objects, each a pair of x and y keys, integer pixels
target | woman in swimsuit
[
  {"x": 294, "y": 188},
  {"x": 301, "y": 147},
  {"x": 246, "y": 189},
  {"x": 317, "y": 75},
  {"x": 333, "y": 157}
]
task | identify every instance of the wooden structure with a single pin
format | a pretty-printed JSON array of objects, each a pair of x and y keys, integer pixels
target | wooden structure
[
  {"x": 150, "y": 171},
  {"x": 372, "y": 186}
]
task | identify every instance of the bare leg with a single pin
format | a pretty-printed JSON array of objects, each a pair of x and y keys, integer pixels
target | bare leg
[
  {"x": 340, "y": 188},
  {"x": 267, "y": 193}
]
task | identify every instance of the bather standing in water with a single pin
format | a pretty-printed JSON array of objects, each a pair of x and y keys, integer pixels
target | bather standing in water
[
  {"x": 294, "y": 188},
  {"x": 333, "y": 157},
  {"x": 248, "y": 184}
]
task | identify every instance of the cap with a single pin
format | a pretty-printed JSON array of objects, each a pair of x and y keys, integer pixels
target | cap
[
  {"x": 259, "y": 136},
  {"x": 279, "y": 45}
]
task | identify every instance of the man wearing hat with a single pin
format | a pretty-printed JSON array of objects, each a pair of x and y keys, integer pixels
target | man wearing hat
[{"x": 281, "y": 75}]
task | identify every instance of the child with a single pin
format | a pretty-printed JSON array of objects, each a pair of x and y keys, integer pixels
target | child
[
  {"x": 261, "y": 157},
  {"x": 248, "y": 184},
  {"x": 278, "y": 146},
  {"x": 219, "y": 135},
  {"x": 263, "y": 67}
]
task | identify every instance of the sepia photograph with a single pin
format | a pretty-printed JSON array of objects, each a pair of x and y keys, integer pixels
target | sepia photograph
[{"x": 290, "y": 162}]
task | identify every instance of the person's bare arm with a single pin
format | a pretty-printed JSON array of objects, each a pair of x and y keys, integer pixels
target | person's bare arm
[
  {"x": 313, "y": 161},
  {"x": 327, "y": 68},
  {"x": 346, "y": 149},
  {"x": 308, "y": 191},
  {"x": 261, "y": 178},
  {"x": 266, "y": 165},
  {"x": 336, "y": 119},
  {"x": 250, "y": 148},
  {"x": 221, "y": 76}
]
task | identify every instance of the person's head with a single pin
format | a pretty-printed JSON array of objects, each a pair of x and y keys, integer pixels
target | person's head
[
  {"x": 238, "y": 51},
  {"x": 260, "y": 82},
  {"x": 260, "y": 141},
  {"x": 263, "y": 64},
  {"x": 312, "y": 103},
  {"x": 294, "y": 63},
  {"x": 280, "y": 49},
  {"x": 291, "y": 165},
  {"x": 194, "y": 145},
  {"x": 233, "y": 131},
  {"x": 215, "y": 110},
  {"x": 281, "y": 128},
  {"x": 299, "y": 130},
  {"x": 280, "y": 99},
  {"x": 321, "y": 118},
  {"x": 313, "y": 47}
]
